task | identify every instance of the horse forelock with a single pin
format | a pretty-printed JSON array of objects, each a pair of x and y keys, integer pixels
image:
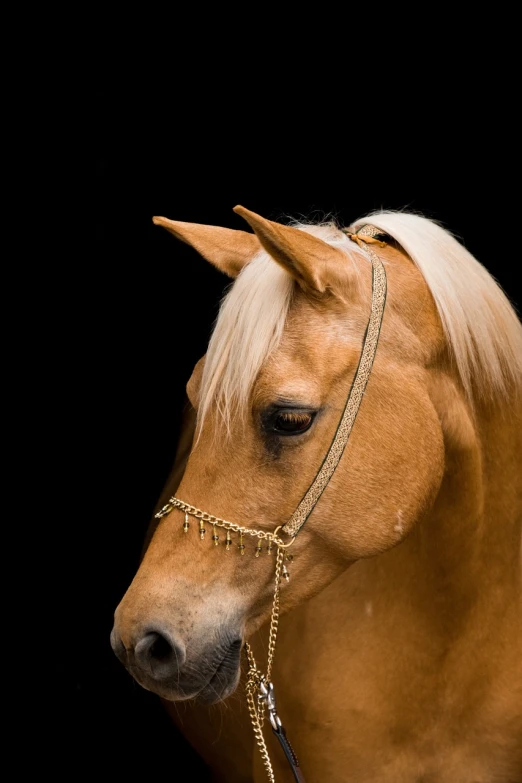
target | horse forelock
[{"x": 250, "y": 325}]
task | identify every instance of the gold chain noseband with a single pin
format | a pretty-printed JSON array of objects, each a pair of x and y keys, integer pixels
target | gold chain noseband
[{"x": 256, "y": 681}]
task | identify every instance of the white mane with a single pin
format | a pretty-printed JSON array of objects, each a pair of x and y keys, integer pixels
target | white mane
[{"x": 482, "y": 328}]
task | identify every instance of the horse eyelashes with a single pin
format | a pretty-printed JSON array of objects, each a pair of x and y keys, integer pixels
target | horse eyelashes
[
  {"x": 280, "y": 421},
  {"x": 290, "y": 422}
]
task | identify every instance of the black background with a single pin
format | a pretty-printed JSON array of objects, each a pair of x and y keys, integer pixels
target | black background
[{"x": 143, "y": 307}]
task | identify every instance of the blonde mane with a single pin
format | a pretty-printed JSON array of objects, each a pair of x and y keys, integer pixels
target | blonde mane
[{"x": 483, "y": 331}]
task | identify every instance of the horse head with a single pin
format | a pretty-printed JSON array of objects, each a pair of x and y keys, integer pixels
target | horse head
[{"x": 269, "y": 395}]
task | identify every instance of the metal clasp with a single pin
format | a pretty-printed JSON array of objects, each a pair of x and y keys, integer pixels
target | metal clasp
[
  {"x": 164, "y": 511},
  {"x": 266, "y": 694}
]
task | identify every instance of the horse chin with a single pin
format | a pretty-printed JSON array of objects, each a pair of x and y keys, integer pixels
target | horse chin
[{"x": 222, "y": 685}]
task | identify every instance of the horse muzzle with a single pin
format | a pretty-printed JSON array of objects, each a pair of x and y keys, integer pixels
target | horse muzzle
[{"x": 158, "y": 661}]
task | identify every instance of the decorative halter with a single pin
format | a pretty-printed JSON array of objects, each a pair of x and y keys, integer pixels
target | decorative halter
[{"x": 256, "y": 681}]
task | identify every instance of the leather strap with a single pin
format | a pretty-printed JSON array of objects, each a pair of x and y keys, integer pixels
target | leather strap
[{"x": 289, "y": 753}]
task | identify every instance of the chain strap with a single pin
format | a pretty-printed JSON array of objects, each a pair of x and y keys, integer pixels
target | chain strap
[
  {"x": 267, "y": 535},
  {"x": 255, "y": 678},
  {"x": 257, "y": 682}
]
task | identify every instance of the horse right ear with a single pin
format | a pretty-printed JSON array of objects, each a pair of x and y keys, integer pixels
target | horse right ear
[{"x": 227, "y": 249}]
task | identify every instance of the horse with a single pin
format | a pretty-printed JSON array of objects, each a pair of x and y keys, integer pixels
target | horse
[{"x": 331, "y": 586}]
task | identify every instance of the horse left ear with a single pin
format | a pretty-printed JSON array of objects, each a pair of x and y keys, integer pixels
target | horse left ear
[
  {"x": 226, "y": 248},
  {"x": 312, "y": 262}
]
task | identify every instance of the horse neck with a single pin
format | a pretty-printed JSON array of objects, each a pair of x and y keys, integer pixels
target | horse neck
[{"x": 465, "y": 558}]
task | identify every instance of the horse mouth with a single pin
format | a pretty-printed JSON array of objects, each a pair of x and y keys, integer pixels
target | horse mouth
[{"x": 225, "y": 678}]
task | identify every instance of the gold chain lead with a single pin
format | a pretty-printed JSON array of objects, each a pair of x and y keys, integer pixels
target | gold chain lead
[{"x": 254, "y": 676}]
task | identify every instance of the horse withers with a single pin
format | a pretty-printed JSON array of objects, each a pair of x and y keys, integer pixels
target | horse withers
[{"x": 342, "y": 527}]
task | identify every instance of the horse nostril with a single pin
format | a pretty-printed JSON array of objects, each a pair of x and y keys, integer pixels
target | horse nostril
[{"x": 159, "y": 655}]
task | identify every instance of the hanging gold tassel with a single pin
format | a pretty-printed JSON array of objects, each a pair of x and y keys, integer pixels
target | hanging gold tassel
[{"x": 285, "y": 572}]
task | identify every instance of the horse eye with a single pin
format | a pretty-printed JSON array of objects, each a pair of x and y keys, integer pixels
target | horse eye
[{"x": 291, "y": 422}]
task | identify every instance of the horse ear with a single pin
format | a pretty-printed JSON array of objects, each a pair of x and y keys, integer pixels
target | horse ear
[
  {"x": 226, "y": 248},
  {"x": 312, "y": 262}
]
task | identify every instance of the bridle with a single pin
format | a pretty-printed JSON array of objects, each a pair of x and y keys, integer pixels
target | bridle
[{"x": 257, "y": 682}]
